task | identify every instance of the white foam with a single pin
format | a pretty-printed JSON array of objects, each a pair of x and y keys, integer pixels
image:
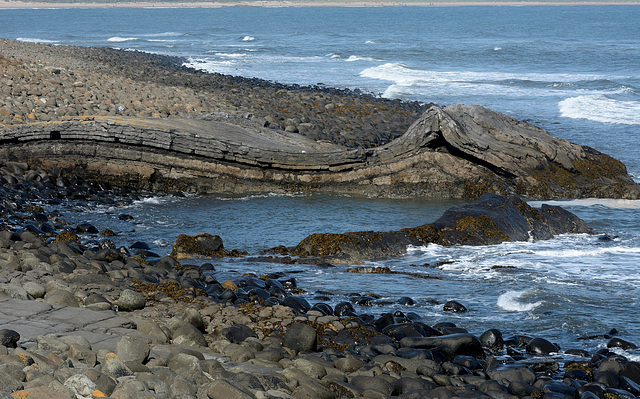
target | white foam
[
  {"x": 163, "y": 34},
  {"x": 409, "y": 82},
  {"x": 511, "y": 301},
  {"x": 497, "y": 48},
  {"x": 118, "y": 39},
  {"x": 370, "y": 42},
  {"x": 353, "y": 58},
  {"x": 601, "y": 108},
  {"x": 36, "y": 40},
  {"x": 401, "y": 73},
  {"x": 231, "y": 55},
  {"x": 248, "y": 39}
]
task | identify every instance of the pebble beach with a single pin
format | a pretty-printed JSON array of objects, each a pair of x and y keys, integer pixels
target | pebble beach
[{"x": 82, "y": 318}]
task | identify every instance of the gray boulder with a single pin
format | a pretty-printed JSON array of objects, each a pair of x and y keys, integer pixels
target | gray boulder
[
  {"x": 131, "y": 300},
  {"x": 130, "y": 349},
  {"x": 13, "y": 291},
  {"x": 183, "y": 333},
  {"x": 61, "y": 297}
]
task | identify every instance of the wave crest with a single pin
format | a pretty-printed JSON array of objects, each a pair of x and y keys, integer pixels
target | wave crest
[
  {"x": 601, "y": 108},
  {"x": 511, "y": 301},
  {"x": 118, "y": 39}
]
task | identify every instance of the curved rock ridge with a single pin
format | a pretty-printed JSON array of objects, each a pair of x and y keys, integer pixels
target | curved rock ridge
[
  {"x": 491, "y": 219},
  {"x": 459, "y": 151}
]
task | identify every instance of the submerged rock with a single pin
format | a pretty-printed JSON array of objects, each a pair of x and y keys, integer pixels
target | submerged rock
[{"x": 492, "y": 219}]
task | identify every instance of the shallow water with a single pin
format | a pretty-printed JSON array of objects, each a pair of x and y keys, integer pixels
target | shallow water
[{"x": 562, "y": 289}]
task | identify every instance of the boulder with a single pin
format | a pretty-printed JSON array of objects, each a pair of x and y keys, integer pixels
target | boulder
[
  {"x": 131, "y": 300},
  {"x": 238, "y": 333},
  {"x": 491, "y": 219},
  {"x": 540, "y": 346},
  {"x": 300, "y": 338},
  {"x": 183, "y": 333},
  {"x": 454, "y": 307},
  {"x": 451, "y": 345},
  {"x": 60, "y": 297},
  {"x": 492, "y": 340},
  {"x": 9, "y": 338},
  {"x": 201, "y": 244},
  {"x": 130, "y": 349}
]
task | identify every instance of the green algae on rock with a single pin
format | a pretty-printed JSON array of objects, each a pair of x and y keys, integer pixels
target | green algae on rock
[{"x": 492, "y": 219}]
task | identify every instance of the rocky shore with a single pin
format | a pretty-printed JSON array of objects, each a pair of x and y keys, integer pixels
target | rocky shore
[
  {"x": 80, "y": 318},
  {"x": 144, "y": 121},
  {"x": 47, "y": 83}
]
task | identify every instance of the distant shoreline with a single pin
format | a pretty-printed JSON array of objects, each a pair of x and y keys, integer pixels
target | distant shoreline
[{"x": 273, "y": 3}]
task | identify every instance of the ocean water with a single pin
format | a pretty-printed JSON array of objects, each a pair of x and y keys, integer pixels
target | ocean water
[{"x": 572, "y": 70}]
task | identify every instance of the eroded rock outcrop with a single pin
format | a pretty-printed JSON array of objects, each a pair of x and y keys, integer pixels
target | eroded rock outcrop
[
  {"x": 458, "y": 151},
  {"x": 490, "y": 220}
]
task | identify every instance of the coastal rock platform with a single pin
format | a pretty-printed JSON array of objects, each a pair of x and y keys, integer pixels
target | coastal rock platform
[
  {"x": 144, "y": 121},
  {"x": 454, "y": 152}
]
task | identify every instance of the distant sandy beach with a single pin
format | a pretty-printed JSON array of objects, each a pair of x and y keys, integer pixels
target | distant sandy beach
[{"x": 272, "y": 3}]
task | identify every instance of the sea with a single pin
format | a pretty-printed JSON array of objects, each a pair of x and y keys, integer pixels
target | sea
[{"x": 572, "y": 70}]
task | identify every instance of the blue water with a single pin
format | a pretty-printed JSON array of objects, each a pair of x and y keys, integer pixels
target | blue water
[{"x": 572, "y": 70}]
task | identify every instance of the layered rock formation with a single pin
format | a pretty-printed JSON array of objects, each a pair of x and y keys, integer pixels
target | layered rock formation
[{"x": 455, "y": 152}]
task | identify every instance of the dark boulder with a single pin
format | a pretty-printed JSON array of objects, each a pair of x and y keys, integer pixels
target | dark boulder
[
  {"x": 491, "y": 219},
  {"x": 9, "y": 338},
  {"x": 238, "y": 333},
  {"x": 492, "y": 340},
  {"x": 300, "y": 338},
  {"x": 344, "y": 309},
  {"x": 454, "y": 307},
  {"x": 451, "y": 345},
  {"x": 620, "y": 343},
  {"x": 297, "y": 303},
  {"x": 540, "y": 346}
]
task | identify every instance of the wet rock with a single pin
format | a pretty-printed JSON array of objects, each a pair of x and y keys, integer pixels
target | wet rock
[
  {"x": 492, "y": 340},
  {"x": 454, "y": 307},
  {"x": 344, "y": 309},
  {"x": 491, "y": 219},
  {"x": 620, "y": 343},
  {"x": 296, "y": 303},
  {"x": 540, "y": 346},
  {"x": 451, "y": 345},
  {"x": 202, "y": 244}
]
